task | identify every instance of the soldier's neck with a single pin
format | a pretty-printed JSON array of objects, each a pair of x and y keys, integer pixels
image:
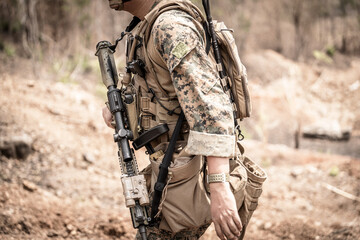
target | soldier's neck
[{"x": 139, "y": 8}]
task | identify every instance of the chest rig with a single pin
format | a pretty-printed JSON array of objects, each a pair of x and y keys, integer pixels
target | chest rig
[{"x": 147, "y": 79}]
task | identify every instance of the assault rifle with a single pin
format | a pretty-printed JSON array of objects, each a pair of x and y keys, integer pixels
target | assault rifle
[{"x": 134, "y": 184}]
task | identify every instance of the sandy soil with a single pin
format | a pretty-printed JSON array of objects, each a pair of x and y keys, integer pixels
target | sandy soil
[{"x": 68, "y": 187}]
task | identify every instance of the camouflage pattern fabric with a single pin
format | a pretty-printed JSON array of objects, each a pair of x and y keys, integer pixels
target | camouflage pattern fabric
[
  {"x": 153, "y": 233},
  {"x": 207, "y": 108}
]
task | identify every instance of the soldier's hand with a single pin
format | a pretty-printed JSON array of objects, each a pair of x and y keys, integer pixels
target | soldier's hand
[
  {"x": 108, "y": 117},
  {"x": 224, "y": 211}
]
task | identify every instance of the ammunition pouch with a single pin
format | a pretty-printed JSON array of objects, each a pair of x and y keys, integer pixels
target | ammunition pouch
[
  {"x": 152, "y": 113},
  {"x": 256, "y": 176}
]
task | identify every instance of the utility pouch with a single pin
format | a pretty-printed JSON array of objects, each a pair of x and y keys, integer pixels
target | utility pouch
[
  {"x": 185, "y": 202},
  {"x": 238, "y": 179},
  {"x": 253, "y": 189}
]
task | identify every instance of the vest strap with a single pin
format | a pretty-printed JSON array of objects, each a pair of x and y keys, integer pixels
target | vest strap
[{"x": 147, "y": 106}]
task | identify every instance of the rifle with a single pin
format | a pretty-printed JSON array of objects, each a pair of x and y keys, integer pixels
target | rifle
[{"x": 134, "y": 184}]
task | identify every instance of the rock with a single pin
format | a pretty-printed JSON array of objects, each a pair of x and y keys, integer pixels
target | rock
[
  {"x": 327, "y": 129},
  {"x": 54, "y": 111},
  {"x": 89, "y": 158},
  {"x": 113, "y": 228},
  {"x": 355, "y": 86},
  {"x": 71, "y": 229},
  {"x": 18, "y": 147},
  {"x": 24, "y": 226},
  {"x": 30, "y": 83},
  {"x": 52, "y": 234},
  {"x": 29, "y": 186},
  {"x": 45, "y": 224},
  {"x": 4, "y": 197},
  {"x": 267, "y": 225},
  {"x": 296, "y": 172}
]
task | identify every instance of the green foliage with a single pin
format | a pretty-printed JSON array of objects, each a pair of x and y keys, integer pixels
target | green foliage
[
  {"x": 100, "y": 91},
  {"x": 15, "y": 26},
  {"x": 330, "y": 51},
  {"x": 266, "y": 162},
  {"x": 64, "y": 68},
  {"x": 84, "y": 20},
  {"x": 9, "y": 50},
  {"x": 322, "y": 57},
  {"x": 86, "y": 65},
  {"x": 334, "y": 171},
  {"x": 344, "y": 5},
  {"x": 82, "y": 3},
  {"x": 244, "y": 23}
]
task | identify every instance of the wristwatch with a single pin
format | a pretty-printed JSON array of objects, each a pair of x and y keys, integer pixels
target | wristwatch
[{"x": 216, "y": 178}]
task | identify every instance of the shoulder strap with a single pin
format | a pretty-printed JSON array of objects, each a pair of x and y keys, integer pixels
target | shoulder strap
[{"x": 163, "y": 168}]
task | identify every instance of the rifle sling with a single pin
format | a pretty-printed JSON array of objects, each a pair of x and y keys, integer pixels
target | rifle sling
[{"x": 163, "y": 168}]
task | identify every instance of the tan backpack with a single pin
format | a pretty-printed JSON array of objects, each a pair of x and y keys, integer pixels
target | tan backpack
[{"x": 235, "y": 71}]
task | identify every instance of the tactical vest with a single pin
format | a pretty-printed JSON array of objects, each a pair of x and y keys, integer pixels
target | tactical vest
[{"x": 156, "y": 99}]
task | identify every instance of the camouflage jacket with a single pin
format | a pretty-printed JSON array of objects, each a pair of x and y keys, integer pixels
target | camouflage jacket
[
  {"x": 177, "y": 44},
  {"x": 197, "y": 85}
]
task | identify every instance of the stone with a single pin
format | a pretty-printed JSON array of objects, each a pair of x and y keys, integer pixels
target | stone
[
  {"x": 89, "y": 158},
  {"x": 29, "y": 186},
  {"x": 18, "y": 147},
  {"x": 327, "y": 129}
]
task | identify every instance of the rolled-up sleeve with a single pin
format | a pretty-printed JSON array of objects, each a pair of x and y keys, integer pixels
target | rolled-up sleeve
[{"x": 207, "y": 108}]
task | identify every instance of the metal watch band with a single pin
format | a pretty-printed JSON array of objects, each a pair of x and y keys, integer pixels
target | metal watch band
[{"x": 216, "y": 178}]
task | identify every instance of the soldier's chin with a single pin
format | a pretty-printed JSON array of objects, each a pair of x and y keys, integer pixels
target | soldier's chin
[{"x": 117, "y": 7}]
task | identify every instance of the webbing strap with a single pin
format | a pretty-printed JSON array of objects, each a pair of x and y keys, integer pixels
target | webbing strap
[
  {"x": 134, "y": 22},
  {"x": 163, "y": 168}
]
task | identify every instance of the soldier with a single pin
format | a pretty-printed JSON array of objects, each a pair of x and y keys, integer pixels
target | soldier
[{"x": 187, "y": 75}]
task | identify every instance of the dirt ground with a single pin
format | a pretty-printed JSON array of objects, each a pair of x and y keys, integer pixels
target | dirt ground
[{"x": 68, "y": 186}]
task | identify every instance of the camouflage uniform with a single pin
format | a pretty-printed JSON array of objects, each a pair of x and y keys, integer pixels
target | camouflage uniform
[
  {"x": 153, "y": 233},
  {"x": 207, "y": 108},
  {"x": 178, "y": 39}
]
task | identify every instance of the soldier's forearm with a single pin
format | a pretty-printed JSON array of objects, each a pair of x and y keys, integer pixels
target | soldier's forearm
[{"x": 218, "y": 164}]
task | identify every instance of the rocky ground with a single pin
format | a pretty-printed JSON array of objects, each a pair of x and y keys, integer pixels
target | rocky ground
[{"x": 59, "y": 176}]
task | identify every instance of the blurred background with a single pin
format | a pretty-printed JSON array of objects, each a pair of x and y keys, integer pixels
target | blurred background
[{"x": 59, "y": 176}]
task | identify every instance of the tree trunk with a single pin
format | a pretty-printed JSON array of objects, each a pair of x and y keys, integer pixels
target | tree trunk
[{"x": 30, "y": 27}]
